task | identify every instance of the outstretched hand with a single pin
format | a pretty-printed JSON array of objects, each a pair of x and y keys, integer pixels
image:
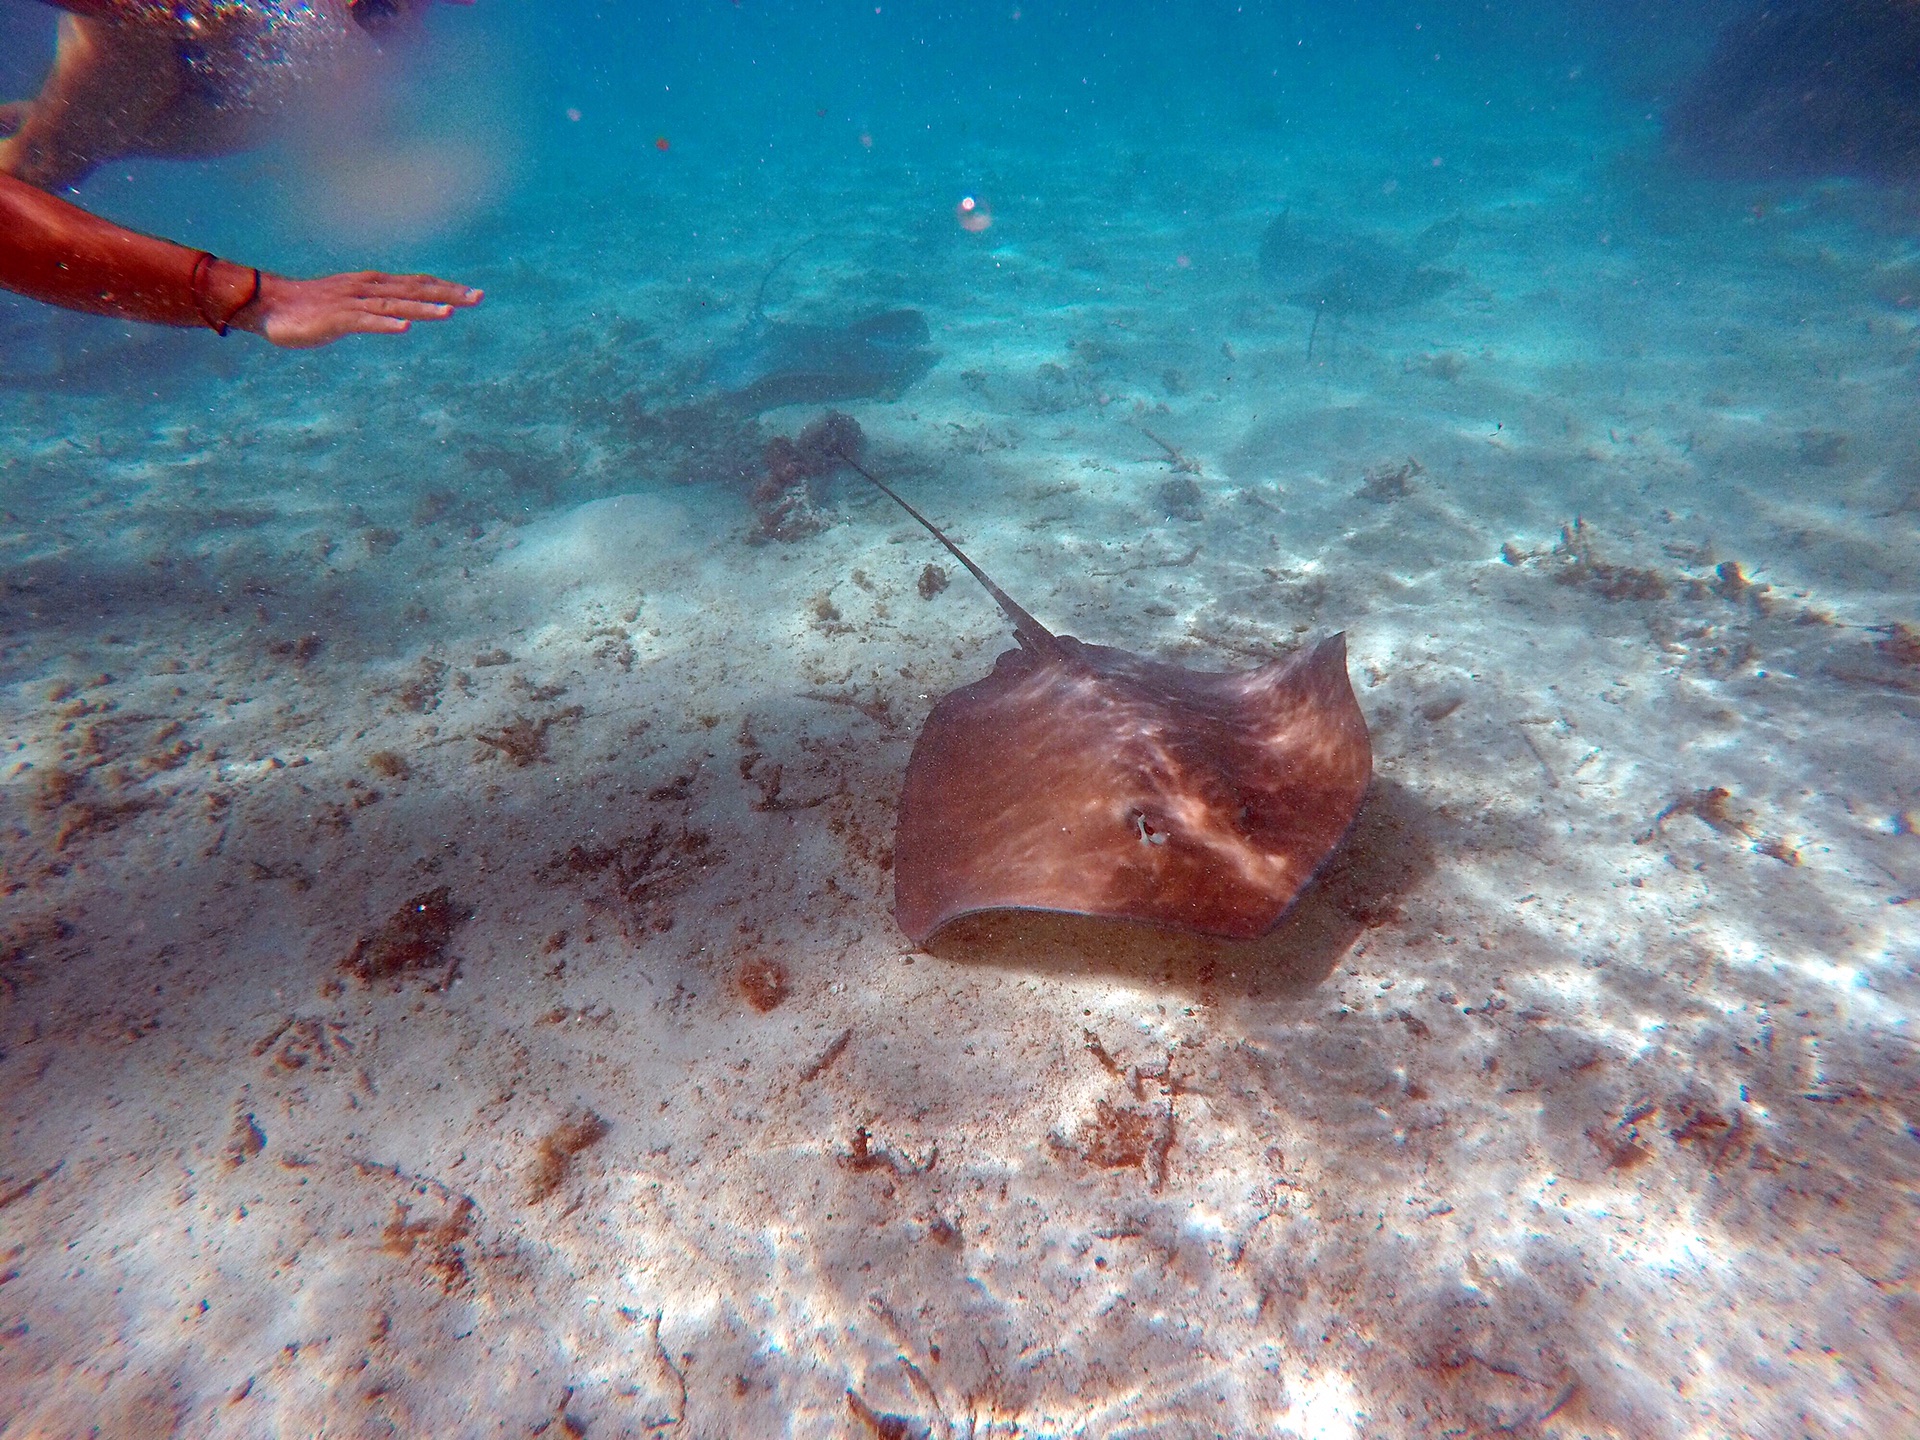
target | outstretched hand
[{"x": 303, "y": 314}]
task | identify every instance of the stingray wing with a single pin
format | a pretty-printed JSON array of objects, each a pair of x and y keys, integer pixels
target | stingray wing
[
  {"x": 780, "y": 362},
  {"x": 1095, "y": 782}
]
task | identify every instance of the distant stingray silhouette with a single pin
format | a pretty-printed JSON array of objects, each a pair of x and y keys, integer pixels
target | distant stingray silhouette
[
  {"x": 770, "y": 362},
  {"x": 1091, "y": 781},
  {"x": 1341, "y": 273}
]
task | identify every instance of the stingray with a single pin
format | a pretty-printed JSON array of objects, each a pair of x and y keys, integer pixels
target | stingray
[
  {"x": 1342, "y": 273},
  {"x": 769, "y": 363},
  {"x": 1086, "y": 780}
]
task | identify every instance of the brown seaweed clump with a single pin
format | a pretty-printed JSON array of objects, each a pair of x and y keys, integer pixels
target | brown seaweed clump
[
  {"x": 1577, "y": 565},
  {"x": 554, "y": 1156},
  {"x": 763, "y": 981},
  {"x": 414, "y": 938},
  {"x": 1901, "y": 644},
  {"x": 784, "y": 502}
]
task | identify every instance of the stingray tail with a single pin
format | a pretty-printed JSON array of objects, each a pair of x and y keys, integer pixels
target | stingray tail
[
  {"x": 760, "y": 295},
  {"x": 1031, "y": 632}
]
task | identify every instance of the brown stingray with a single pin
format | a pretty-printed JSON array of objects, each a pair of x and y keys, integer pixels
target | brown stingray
[{"x": 1092, "y": 781}]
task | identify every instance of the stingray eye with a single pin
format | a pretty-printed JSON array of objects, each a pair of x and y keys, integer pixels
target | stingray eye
[{"x": 1149, "y": 834}]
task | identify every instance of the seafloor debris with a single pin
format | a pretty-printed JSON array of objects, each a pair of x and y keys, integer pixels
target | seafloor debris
[
  {"x": 1731, "y": 582},
  {"x": 1180, "y": 498},
  {"x": 414, "y": 938},
  {"x": 440, "y": 1244},
  {"x": 523, "y": 741},
  {"x": 422, "y": 693},
  {"x": 1384, "y": 483},
  {"x": 1119, "y": 1137},
  {"x": 823, "y": 1062},
  {"x": 1713, "y": 806},
  {"x": 1900, "y": 643},
  {"x": 864, "y": 1155},
  {"x": 647, "y": 870},
  {"x": 1622, "y": 1146},
  {"x": 12, "y": 1190},
  {"x": 302, "y": 1041},
  {"x": 784, "y": 502},
  {"x": 245, "y": 1141},
  {"x": 81, "y": 815},
  {"x": 1123, "y": 1137},
  {"x": 1181, "y": 462},
  {"x": 389, "y": 763},
  {"x": 883, "y": 1426},
  {"x": 554, "y": 1155},
  {"x": 763, "y": 981},
  {"x": 1443, "y": 365},
  {"x": 23, "y": 939},
  {"x": 933, "y": 580},
  {"x": 301, "y": 651},
  {"x": 1575, "y": 563}
]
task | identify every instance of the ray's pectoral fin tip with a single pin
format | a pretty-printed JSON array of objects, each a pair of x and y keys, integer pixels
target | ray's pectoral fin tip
[{"x": 1009, "y": 799}]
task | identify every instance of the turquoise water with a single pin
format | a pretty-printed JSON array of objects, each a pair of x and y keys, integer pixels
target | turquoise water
[{"x": 448, "y": 978}]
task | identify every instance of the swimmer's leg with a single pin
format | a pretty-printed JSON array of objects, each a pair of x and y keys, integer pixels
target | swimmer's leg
[{"x": 108, "y": 81}]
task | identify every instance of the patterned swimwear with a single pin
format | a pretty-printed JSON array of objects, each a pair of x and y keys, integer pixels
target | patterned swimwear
[{"x": 246, "y": 60}]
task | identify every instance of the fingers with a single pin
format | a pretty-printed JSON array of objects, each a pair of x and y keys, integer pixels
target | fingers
[
  {"x": 407, "y": 309},
  {"x": 375, "y": 284},
  {"x": 366, "y": 323},
  {"x": 300, "y": 314}
]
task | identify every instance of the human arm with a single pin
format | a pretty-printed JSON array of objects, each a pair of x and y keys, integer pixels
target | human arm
[{"x": 60, "y": 254}]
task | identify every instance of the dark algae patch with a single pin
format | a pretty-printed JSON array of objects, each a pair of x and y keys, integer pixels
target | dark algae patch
[{"x": 414, "y": 938}]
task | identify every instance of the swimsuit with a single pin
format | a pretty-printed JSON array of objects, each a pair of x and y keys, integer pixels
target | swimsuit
[{"x": 260, "y": 53}]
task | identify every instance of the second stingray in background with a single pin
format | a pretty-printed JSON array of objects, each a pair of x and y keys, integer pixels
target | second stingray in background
[
  {"x": 875, "y": 355},
  {"x": 1338, "y": 272}
]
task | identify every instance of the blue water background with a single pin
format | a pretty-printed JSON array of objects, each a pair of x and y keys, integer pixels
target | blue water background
[{"x": 759, "y": 102}]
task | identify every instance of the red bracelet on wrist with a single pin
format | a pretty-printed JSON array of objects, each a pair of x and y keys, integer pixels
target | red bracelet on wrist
[{"x": 203, "y": 307}]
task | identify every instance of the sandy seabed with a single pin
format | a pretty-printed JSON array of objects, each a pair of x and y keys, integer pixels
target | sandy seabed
[{"x": 447, "y": 978}]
